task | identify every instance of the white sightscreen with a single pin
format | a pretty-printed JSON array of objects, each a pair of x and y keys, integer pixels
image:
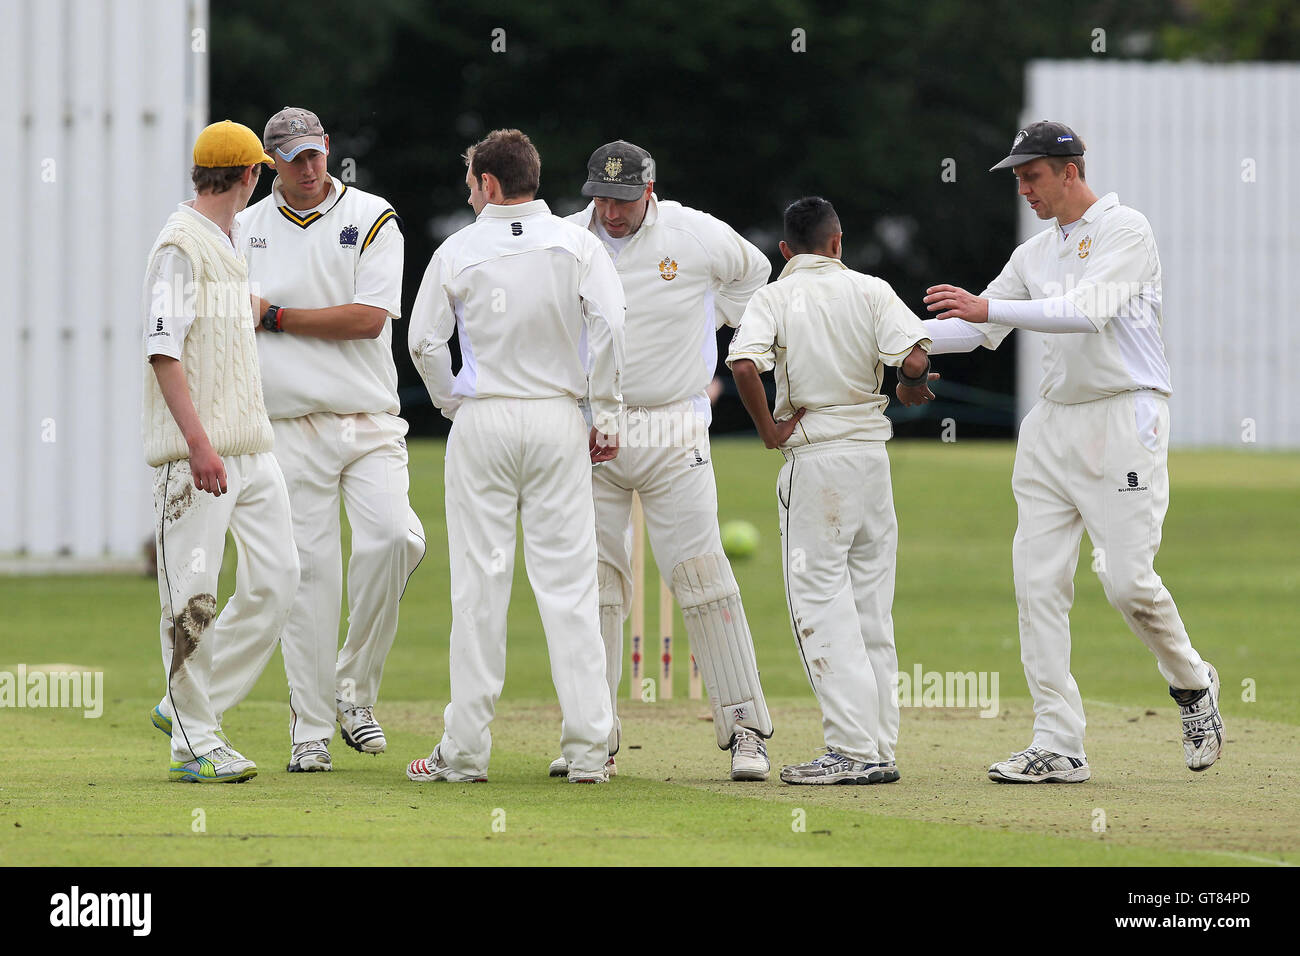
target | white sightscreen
[
  {"x": 102, "y": 101},
  {"x": 1209, "y": 153}
]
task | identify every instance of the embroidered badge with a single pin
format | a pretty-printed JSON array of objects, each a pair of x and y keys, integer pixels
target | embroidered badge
[
  {"x": 348, "y": 237},
  {"x": 1085, "y": 247},
  {"x": 668, "y": 268},
  {"x": 613, "y": 166}
]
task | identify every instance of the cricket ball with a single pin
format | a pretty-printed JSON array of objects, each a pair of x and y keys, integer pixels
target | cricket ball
[{"x": 739, "y": 539}]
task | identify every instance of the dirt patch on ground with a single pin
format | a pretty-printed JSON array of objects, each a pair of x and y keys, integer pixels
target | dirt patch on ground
[{"x": 1141, "y": 792}]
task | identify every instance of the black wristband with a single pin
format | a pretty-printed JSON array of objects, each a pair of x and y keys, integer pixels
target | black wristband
[
  {"x": 922, "y": 379},
  {"x": 271, "y": 319}
]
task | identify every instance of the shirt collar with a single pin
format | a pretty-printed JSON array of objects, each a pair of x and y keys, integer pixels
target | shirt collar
[
  {"x": 212, "y": 227},
  {"x": 515, "y": 210},
  {"x": 335, "y": 189},
  {"x": 1104, "y": 204},
  {"x": 809, "y": 260}
]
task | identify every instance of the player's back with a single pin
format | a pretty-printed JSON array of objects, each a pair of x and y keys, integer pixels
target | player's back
[
  {"x": 514, "y": 276},
  {"x": 834, "y": 329}
]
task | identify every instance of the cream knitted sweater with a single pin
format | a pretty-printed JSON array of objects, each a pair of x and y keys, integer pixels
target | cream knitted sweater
[{"x": 219, "y": 355}]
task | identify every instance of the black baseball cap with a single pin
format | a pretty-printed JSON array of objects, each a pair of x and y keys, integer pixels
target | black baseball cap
[
  {"x": 1040, "y": 139},
  {"x": 618, "y": 170}
]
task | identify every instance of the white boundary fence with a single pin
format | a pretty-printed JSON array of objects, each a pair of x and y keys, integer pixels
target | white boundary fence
[
  {"x": 1209, "y": 154},
  {"x": 102, "y": 101}
]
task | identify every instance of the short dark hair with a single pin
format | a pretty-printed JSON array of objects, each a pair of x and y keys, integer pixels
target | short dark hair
[
  {"x": 511, "y": 157},
  {"x": 1058, "y": 164},
  {"x": 216, "y": 179},
  {"x": 809, "y": 224}
]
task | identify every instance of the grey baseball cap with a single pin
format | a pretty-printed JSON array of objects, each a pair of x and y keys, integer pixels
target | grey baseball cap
[
  {"x": 1040, "y": 139},
  {"x": 292, "y": 130},
  {"x": 618, "y": 170}
]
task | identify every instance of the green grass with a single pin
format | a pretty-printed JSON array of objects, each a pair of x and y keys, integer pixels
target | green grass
[{"x": 77, "y": 791}]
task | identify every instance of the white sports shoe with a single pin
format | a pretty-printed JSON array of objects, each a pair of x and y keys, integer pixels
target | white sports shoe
[
  {"x": 748, "y": 756},
  {"x": 1202, "y": 725},
  {"x": 832, "y": 768},
  {"x": 560, "y": 768},
  {"x": 222, "y": 765},
  {"x": 597, "y": 776},
  {"x": 310, "y": 757},
  {"x": 360, "y": 730},
  {"x": 1037, "y": 765},
  {"x": 434, "y": 769}
]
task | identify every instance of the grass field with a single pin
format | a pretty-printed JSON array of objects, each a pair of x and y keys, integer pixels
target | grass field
[{"x": 76, "y": 791}]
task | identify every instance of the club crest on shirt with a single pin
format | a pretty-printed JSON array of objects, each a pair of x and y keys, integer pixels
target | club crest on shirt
[
  {"x": 613, "y": 166},
  {"x": 668, "y": 268},
  {"x": 348, "y": 237},
  {"x": 1085, "y": 247}
]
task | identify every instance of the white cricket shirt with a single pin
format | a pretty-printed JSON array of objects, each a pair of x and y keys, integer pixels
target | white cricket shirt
[
  {"x": 535, "y": 303},
  {"x": 348, "y": 249},
  {"x": 685, "y": 275},
  {"x": 1108, "y": 269},
  {"x": 828, "y": 332},
  {"x": 169, "y": 292}
]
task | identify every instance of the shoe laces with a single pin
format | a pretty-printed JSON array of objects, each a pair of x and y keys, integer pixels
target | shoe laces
[
  {"x": 748, "y": 744},
  {"x": 309, "y": 745},
  {"x": 366, "y": 714}
]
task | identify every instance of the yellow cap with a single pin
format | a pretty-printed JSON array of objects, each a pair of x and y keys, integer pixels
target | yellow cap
[{"x": 229, "y": 144}]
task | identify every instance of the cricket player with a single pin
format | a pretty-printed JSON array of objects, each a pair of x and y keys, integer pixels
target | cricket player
[
  {"x": 685, "y": 275},
  {"x": 538, "y": 310},
  {"x": 1092, "y": 452},
  {"x": 828, "y": 332},
  {"x": 207, "y": 436},
  {"x": 327, "y": 259}
]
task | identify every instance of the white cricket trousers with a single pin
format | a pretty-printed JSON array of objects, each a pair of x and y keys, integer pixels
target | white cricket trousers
[
  {"x": 1102, "y": 466},
  {"x": 664, "y": 457},
  {"x": 838, "y": 542},
  {"x": 190, "y": 530},
  {"x": 522, "y": 459},
  {"x": 362, "y": 456}
]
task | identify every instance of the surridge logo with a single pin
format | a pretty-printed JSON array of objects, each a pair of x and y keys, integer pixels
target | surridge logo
[
  {"x": 1134, "y": 482},
  {"x": 516, "y": 228},
  {"x": 74, "y": 909}
]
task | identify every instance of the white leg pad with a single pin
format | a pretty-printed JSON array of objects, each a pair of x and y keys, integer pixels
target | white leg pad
[
  {"x": 720, "y": 640},
  {"x": 612, "y": 588}
]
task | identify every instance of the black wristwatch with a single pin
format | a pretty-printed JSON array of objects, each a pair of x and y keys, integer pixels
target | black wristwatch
[{"x": 271, "y": 318}]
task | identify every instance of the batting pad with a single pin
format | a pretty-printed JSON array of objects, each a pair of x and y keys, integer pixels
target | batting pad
[
  {"x": 715, "y": 621},
  {"x": 611, "y": 593}
]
